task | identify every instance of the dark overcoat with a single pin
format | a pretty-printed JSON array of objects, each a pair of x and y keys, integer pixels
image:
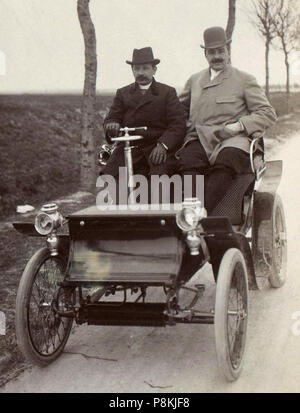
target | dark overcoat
[{"x": 159, "y": 109}]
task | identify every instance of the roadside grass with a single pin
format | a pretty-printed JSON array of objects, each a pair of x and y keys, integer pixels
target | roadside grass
[
  {"x": 40, "y": 147},
  {"x": 39, "y": 161},
  {"x": 282, "y": 105}
]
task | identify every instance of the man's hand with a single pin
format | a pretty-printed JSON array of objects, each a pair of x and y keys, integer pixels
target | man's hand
[
  {"x": 158, "y": 154},
  {"x": 234, "y": 128},
  {"x": 230, "y": 130},
  {"x": 112, "y": 129}
]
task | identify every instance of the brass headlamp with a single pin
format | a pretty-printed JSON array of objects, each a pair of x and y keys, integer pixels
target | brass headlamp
[
  {"x": 192, "y": 212},
  {"x": 188, "y": 220},
  {"x": 47, "y": 221}
]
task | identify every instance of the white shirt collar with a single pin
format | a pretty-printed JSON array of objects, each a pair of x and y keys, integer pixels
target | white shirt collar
[
  {"x": 214, "y": 73},
  {"x": 145, "y": 86}
]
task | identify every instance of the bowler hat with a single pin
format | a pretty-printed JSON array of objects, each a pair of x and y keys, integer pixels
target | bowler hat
[
  {"x": 214, "y": 37},
  {"x": 142, "y": 56}
]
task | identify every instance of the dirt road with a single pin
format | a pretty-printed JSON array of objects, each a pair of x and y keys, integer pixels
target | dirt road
[{"x": 182, "y": 358}]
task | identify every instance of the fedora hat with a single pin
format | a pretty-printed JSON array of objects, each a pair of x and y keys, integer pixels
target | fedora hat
[
  {"x": 142, "y": 56},
  {"x": 214, "y": 37}
]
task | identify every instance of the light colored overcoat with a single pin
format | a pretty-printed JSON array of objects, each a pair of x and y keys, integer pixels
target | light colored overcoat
[{"x": 231, "y": 96}]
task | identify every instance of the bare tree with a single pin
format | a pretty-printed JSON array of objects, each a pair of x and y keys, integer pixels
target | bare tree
[
  {"x": 88, "y": 164},
  {"x": 230, "y": 21},
  {"x": 286, "y": 24},
  {"x": 264, "y": 12}
]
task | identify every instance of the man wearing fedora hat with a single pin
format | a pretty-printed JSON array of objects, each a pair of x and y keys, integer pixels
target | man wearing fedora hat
[
  {"x": 225, "y": 107},
  {"x": 146, "y": 102}
]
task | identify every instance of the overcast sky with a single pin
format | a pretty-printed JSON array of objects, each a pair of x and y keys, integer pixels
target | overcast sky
[{"x": 43, "y": 44}]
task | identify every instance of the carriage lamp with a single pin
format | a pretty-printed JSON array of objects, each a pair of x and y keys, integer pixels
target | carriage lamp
[
  {"x": 47, "y": 222},
  {"x": 192, "y": 211},
  {"x": 48, "y": 219},
  {"x": 188, "y": 220}
]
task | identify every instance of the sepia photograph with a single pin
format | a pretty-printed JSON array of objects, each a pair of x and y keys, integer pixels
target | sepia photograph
[{"x": 149, "y": 199}]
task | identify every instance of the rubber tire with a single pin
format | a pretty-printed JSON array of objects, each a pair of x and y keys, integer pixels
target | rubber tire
[
  {"x": 277, "y": 279},
  {"x": 22, "y": 302},
  {"x": 264, "y": 246},
  {"x": 230, "y": 259}
]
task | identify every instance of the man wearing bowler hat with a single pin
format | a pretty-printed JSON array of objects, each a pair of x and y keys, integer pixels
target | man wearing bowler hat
[
  {"x": 225, "y": 107},
  {"x": 146, "y": 102}
]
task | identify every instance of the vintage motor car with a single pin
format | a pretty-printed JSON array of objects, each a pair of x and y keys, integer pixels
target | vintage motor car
[{"x": 100, "y": 269}]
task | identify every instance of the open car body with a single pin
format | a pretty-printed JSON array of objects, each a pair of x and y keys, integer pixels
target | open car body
[{"x": 105, "y": 254}]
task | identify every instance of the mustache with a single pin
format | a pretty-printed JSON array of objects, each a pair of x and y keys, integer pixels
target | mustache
[{"x": 217, "y": 61}]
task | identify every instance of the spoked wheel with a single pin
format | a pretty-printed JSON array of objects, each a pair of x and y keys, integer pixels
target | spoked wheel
[
  {"x": 41, "y": 333},
  {"x": 231, "y": 313},
  {"x": 270, "y": 248},
  {"x": 279, "y": 251}
]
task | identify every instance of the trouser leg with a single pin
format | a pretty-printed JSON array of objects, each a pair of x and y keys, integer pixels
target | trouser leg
[
  {"x": 229, "y": 163},
  {"x": 193, "y": 166},
  {"x": 164, "y": 181},
  {"x": 217, "y": 184}
]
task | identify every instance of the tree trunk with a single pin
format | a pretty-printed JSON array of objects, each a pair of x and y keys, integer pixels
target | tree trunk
[
  {"x": 88, "y": 163},
  {"x": 230, "y": 22},
  {"x": 287, "y": 65},
  {"x": 267, "y": 50}
]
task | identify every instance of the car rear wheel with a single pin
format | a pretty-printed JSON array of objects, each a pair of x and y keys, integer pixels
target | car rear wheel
[
  {"x": 270, "y": 248},
  {"x": 41, "y": 333},
  {"x": 279, "y": 250},
  {"x": 231, "y": 313}
]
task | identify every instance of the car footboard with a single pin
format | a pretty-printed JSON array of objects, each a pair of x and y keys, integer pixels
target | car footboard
[{"x": 124, "y": 314}]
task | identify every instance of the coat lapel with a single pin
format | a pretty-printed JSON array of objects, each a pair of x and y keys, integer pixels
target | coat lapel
[
  {"x": 218, "y": 79},
  {"x": 148, "y": 97},
  {"x": 205, "y": 80},
  {"x": 135, "y": 95}
]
